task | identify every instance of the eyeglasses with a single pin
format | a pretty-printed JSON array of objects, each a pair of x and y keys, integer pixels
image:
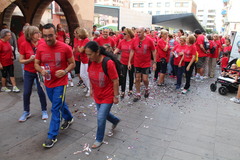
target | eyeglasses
[
  {"x": 140, "y": 44},
  {"x": 37, "y": 32},
  {"x": 47, "y": 35}
]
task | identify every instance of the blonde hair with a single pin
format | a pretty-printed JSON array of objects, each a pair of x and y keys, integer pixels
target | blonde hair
[
  {"x": 163, "y": 31},
  {"x": 191, "y": 39},
  {"x": 129, "y": 31},
  {"x": 81, "y": 32},
  {"x": 184, "y": 38},
  {"x": 29, "y": 32}
]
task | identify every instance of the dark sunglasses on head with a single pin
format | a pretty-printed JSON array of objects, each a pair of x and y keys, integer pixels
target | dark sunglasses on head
[{"x": 140, "y": 44}]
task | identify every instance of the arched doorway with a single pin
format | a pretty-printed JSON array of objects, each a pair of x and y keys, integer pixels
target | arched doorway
[{"x": 71, "y": 17}]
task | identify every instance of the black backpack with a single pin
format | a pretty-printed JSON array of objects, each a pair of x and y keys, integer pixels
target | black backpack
[
  {"x": 212, "y": 50},
  {"x": 117, "y": 64},
  {"x": 206, "y": 44}
]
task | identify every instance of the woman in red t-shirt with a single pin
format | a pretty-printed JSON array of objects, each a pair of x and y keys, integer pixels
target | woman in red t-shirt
[
  {"x": 27, "y": 56},
  {"x": 178, "y": 62},
  {"x": 77, "y": 57},
  {"x": 124, "y": 47},
  {"x": 83, "y": 35},
  {"x": 104, "y": 88},
  {"x": 189, "y": 58},
  {"x": 162, "y": 57},
  {"x": 6, "y": 61},
  {"x": 213, "y": 57}
]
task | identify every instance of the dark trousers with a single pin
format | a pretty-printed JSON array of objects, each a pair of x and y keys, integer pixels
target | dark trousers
[
  {"x": 157, "y": 71},
  {"x": 188, "y": 74},
  {"x": 179, "y": 72},
  {"x": 124, "y": 77},
  {"x": 28, "y": 83}
]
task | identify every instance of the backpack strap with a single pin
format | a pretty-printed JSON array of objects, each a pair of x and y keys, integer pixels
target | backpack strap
[{"x": 104, "y": 65}]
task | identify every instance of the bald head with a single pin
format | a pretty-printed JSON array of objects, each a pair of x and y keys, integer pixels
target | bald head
[{"x": 140, "y": 32}]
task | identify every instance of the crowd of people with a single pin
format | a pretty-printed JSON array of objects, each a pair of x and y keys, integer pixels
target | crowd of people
[{"x": 101, "y": 61}]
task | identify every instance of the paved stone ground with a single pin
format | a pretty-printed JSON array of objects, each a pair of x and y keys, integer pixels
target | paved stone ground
[{"x": 201, "y": 125}]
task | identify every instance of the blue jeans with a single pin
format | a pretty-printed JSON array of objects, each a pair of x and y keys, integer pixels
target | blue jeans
[
  {"x": 59, "y": 109},
  {"x": 29, "y": 78},
  {"x": 104, "y": 114},
  {"x": 179, "y": 72}
]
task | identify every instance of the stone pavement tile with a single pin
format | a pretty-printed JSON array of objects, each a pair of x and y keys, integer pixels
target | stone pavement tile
[
  {"x": 81, "y": 127},
  {"x": 229, "y": 138},
  {"x": 32, "y": 148},
  {"x": 169, "y": 158},
  {"x": 190, "y": 148},
  {"x": 230, "y": 110},
  {"x": 182, "y": 155},
  {"x": 150, "y": 140},
  {"x": 196, "y": 140},
  {"x": 13, "y": 133},
  {"x": 72, "y": 133},
  {"x": 188, "y": 129},
  {"x": 228, "y": 122},
  {"x": 226, "y": 151},
  {"x": 95, "y": 154},
  {"x": 9, "y": 99},
  {"x": 220, "y": 158},
  {"x": 140, "y": 150}
]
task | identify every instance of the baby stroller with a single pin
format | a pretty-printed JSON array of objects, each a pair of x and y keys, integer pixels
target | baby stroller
[{"x": 227, "y": 84}]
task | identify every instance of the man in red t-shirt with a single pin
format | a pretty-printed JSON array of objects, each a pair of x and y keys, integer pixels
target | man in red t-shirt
[
  {"x": 141, "y": 50},
  {"x": 58, "y": 60},
  {"x": 202, "y": 54},
  {"x": 105, "y": 39}
]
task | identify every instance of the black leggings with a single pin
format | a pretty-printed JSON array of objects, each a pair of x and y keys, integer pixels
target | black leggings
[
  {"x": 188, "y": 74},
  {"x": 124, "y": 77}
]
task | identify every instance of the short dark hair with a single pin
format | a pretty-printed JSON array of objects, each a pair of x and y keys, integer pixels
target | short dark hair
[
  {"x": 198, "y": 31},
  {"x": 180, "y": 30},
  {"x": 94, "y": 26},
  {"x": 48, "y": 26},
  {"x": 123, "y": 27}
]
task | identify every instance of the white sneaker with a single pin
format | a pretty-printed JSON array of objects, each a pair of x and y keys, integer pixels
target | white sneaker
[
  {"x": 5, "y": 89},
  {"x": 88, "y": 94},
  {"x": 205, "y": 77},
  {"x": 235, "y": 100},
  {"x": 71, "y": 84},
  {"x": 85, "y": 90},
  {"x": 67, "y": 85},
  {"x": 15, "y": 89}
]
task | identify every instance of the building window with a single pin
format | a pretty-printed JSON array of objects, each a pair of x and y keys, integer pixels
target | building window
[
  {"x": 167, "y": 12},
  {"x": 158, "y": 12},
  {"x": 158, "y": 4},
  {"x": 149, "y": 4},
  {"x": 167, "y": 4},
  {"x": 200, "y": 10},
  {"x": 211, "y": 11},
  {"x": 185, "y": 4},
  {"x": 150, "y": 12},
  {"x": 135, "y": 5},
  {"x": 141, "y": 5},
  {"x": 178, "y": 4}
]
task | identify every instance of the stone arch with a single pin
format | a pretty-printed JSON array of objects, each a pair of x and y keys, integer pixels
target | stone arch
[
  {"x": 7, "y": 13},
  {"x": 67, "y": 8}
]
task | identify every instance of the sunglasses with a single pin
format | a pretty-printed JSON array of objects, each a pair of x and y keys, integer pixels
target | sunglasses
[
  {"x": 47, "y": 35},
  {"x": 140, "y": 44},
  {"x": 124, "y": 34}
]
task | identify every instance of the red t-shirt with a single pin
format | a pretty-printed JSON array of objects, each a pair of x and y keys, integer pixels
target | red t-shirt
[
  {"x": 76, "y": 53},
  {"x": 20, "y": 41},
  {"x": 27, "y": 51},
  {"x": 160, "y": 53},
  {"x": 142, "y": 52},
  {"x": 216, "y": 53},
  {"x": 177, "y": 50},
  {"x": 102, "y": 84},
  {"x": 199, "y": 41},
  {"x": 224, "y": 62},
  {"x": 61, "y": 36},
  {"x": 95, "y": 39},
  {"x": 125, "y": 48},
  {"x": 6, "y": 54},
  {"x": 190, "y": 51},
  {"x": 83, "y": 56},
  {"x": 101, "y": 41},
  {"x": 56, "y": 57},
  {"x": 227, "y": 48}
]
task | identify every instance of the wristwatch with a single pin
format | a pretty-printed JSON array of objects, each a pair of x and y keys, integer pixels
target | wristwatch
[{"x": 65, "y": 71}]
